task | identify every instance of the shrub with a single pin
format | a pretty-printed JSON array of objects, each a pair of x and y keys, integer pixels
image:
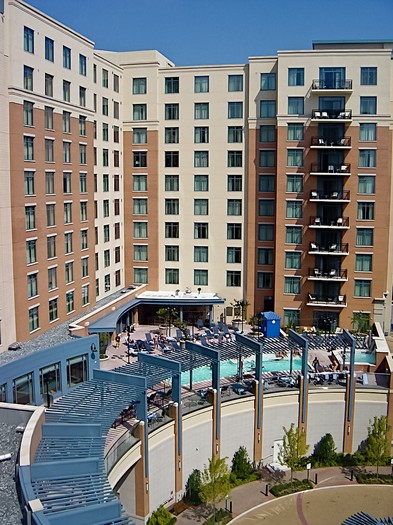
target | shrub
[
  {"x": 297, "y": 485},
  {"x": 193, "y": 488},
  {"x": 241, "y": 464},
  {"x": 373, "y": 478},
  {"x": 222, "y": 516},
  {"x": 325, "y": 451},
  {"x": 161, "y": 516}
]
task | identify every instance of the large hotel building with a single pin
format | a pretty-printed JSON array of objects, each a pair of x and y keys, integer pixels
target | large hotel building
[{"x": 268, "y": 181}]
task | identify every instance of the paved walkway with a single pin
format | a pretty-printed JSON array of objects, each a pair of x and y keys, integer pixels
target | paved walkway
[{"x": 339, "y": 499}]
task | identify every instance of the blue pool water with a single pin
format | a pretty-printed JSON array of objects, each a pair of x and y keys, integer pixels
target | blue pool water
[{"x": 362, "y": 357}]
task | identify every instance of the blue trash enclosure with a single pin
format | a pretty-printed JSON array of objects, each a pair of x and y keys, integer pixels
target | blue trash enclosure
[{"x": 270, "y": 324}]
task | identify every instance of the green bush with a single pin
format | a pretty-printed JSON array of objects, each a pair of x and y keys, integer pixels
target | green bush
[
  {"x": 297, "y": 485},
  {"x": 325, "y": 452},
  {"x": 241, "y": 464},
  {"x": 382, "y": 479},
  {"x": 222, "y": 516},
  {"x": 161, "y": 516},
  {"x": 193, "y": 488}
]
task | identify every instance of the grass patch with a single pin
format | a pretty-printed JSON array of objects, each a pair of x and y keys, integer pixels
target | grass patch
[
  {"x": 382, "y": 479},
  {"x": 298, "y": 485},
  {"x": 222, "y": 517}
]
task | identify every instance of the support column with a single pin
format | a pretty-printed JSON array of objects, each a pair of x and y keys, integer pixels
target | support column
[
  {"x": 258, "y": 417},
  {"x": 173, "y": 412},
  {"x": 303, "y": 404},
  {"x": 390, "y": 408},
  {"x": 349, "y": 413},
  {"x": 141, "y": 477},
  {"x": 216, "y": 445}
]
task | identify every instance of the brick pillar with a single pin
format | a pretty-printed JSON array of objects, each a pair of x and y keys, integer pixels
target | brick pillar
[
  {"x": 348, "y": 422},
  {"x": 141, "y": 480}
]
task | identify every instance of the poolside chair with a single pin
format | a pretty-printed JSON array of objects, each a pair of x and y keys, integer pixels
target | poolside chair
[
  {"x": 179, "y": 334},
  {"x": 209, "y": 333},
  {"x": 149, "y": 338},
  {"x": 176, "y": 346}
]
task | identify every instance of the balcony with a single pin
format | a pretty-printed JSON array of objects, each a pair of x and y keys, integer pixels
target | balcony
[
  {"x": 331, "y": 196},
  {"x": 330, "y": 169},
  {"x": 331, "y": 249},
  {"x": 335, "y": 86},
  {"x": 323, "y": 300},
  {"x": 331, "y": 115},
  {"x": 327, "y": 143},
  {"x": 334, "y": 223},
  {"x": 317, "y": 274}
]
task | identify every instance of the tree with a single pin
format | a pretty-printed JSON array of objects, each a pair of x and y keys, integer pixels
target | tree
[
  {"x": 215, "y": 482},
  {"x": 377, "y": 446},
  {"x": 240, "y": 308},
  {"x": 166, "y": 316},
  {"x": 193, "y": 487},
  {"x": 161, "y": 516},
  {"x": 294, "y": 447},
  {"x": 325, "y": 451},
  {"x": 361, "y": 322},
  {"x": 241, "y": 464}
]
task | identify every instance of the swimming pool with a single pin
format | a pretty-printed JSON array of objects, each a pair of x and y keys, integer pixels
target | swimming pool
[
  {"x": 362, "y": 357},
  {"x": 230, "y": 368}
]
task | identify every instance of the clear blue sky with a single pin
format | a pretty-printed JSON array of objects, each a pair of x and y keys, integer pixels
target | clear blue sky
[{"x": 197, "y": 32}]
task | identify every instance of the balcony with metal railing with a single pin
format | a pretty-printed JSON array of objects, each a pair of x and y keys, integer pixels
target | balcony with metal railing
[
  {"x": 335, "y": 85},
  {"x": 332, "y": 115},
  {"x": 330, "y": 169},
  {"x": 329, "y": 222},
  {"x": 332, "y": 274},
  {"x": 329, "y": 196},
  {"x": 328, "y": 249},
  {"x": 332, "y": 301},
  {"x": 330, "y": 143}
]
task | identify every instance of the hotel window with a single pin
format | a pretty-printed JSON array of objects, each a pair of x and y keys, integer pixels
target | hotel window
[
  {"x": 364, "y": 237},
  {"x": 107, "y": 258},
  {"x": 365, "y": 211},
  {"x": 234, "y": 207},
  {"x": 51, "y": 246},
  {"x": 172, "y": 85},
  {"x": 235, "y": 109},
  {"x": 28, "y": 148},
  {"x": 29, "y": 182},
  {"x": 50, "y": 379},
  {"x": 332, "y": 77},
  {"x": 293, "y": 260},
  {"x": 49, "y": 49},
  {"x": 201, "y": 110},
  {"x": 201, "y": 182},
  {"x": 139, "y": 206},
  {"x": 366, "y": 184},
  {"x": 82, "y": 96},
  {"x": 106, "y": 233},
  {"x": 105, "y": 208},
  {"x": 234, "y": 278},
  {"x": 234, "y": 231},
  {"x": 30, "y": 222},
  {"x": 67, "y": 178},
  {"x": 234, "y": 183},
  {"x": 171, "y": 276},
  {"x": 49, "y": 150},
  {"x": 139, "y": 86},
  {"x": 201, "y": 206},
  {"x": 171, "y": 206},
  {"x": 235, "y": 134},
  {"x": 66, "y": 91},
  {"x": 293, "y": 234},
  {"x": 140, "y": 230},
  {"x": 48, "y": 117},
  {"x": 265, "y": 256},
  {"x": 67, "y": 212},
  {"x": 295, "y": 76},
  {"x": 201, "y": 277},
  {"x": 82, "y": 65},
  {"x": 171, "y": 182},
  {"x": 295, "y": 106},
  {"x": 201, "y": 254},
  {"x": 140, "y": 276},
  {"x": 265, "y": 280},
  {"x": 85, "y": 295},
  {"x": 52, "y": 278},
  {"x": 31, "y": 251},
  {"x": 267, "y": 133},
  {"x": 172, "y": 253},
  {"x": 117, "y": 230},
  {"x": 367, "y": 158},
  {"x": 140, "y": 252},
  {"x": 28, "y": 40},
  {"x": 32, "y": 285},
  {"x": 235, "y": 82},
  {"x": 28, "y": 78},
  {"x": 201, "y": 135},
  {"x": 48, "y": 85},
  {"x": 116, "y": 110},
  {"x": 28, "y": 113},
  {"x": 84, "y": 267},
  {"x": 116, "y": 134},
  {"x": 70, "y": 302},
  {"x": 171, "y": 135},
  {"x": 105, "y": 106},
  {"x": 77, "y": 366},
  {"x": 82, "y": 154},
  {"x": 367, "y": 132},
  {"x": 234, "y": 255},
  {"x": 66, "y": 152},
  {"x": 82, "y": 183},
  {"x": 105, "y": 157},
  {"x": 66, "y": 57},
  {"x": 368, "y": 76},
  {"x": 268, "y": 81},
  {"x": 292, "y": 285},
  {"x": 171, "y": 159},
  {"x": 368, "y": 105},
  {"x": 294, "y": 183},
  {"x": 139, "y": 182},
  {"x": 267, "y": 109},
  {"x": 295, "y": 131},
  {"x": 265, "y": 232},
  {"x": 50, "y": 215},
  {"x": 34, "y": 322},
  {"x": 66, "y": 122},
  {"x": 116, "y": 83},
  {"x": 201, "y": 84},
  {"x": 68, "y": 242},
  {"x": 139, "y": 136},
  {"x": 95, "y": 102},
  {"x": 201, "y": 159},
  {"x": 140, "y": 159},
  {"x": 105, "y": 78},
  {"x": 295, "y": 158},
  {"x": 363, "y": 262},
  {"x": 266, "y": 208},
  {"x": 171, "y": 230},
  {"x": 171, "y": 111},
  {"x": 23, "y": 386},
  {"x": 201, "y": 230},
  {"x": 139, "y": 111},
  {"x": 291, "y": 317},
  {"x": 267, "y": 158},
  {"x": 82, "y": 126},
  {"x": 69, "y": 272},
  {"x": 84, "y": 239},
  {"x": 235, "y": 159},
  {"x": 362, "y": 288},
  {"x": 267, "y": 183}
]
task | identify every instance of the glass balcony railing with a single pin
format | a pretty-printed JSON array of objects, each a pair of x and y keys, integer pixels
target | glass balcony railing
[
  {"x": 317, "y": 195},
  {"x": 328, "y": 222},
  {"x": 328, "y": 248},
  {"x": 325, "y": 142},
  {"x": 329, "y": 169},
  {"x": 327, "y": 275},
  {"x": 332, "y": 114},
  {"x": 336, "y": 84},
  {"x": 326, "y": 300}
]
